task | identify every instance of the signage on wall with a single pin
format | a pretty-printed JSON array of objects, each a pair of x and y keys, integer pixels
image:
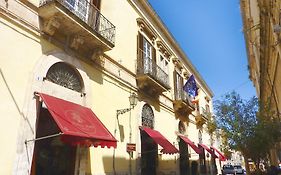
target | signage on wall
[{"x": 131, "y": 147}]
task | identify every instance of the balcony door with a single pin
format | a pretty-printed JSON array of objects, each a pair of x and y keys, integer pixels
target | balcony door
[
  {"x": 147, "y": 56},
  {"x": 79, "y": 7},
  {"x": 178, "y": 81},
  {"x": 65, "y": 82}
]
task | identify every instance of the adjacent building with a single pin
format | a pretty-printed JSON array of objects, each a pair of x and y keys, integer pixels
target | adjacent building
[
  {"x": 262, "y": 30},
  {"x": 95, "y": 87}
]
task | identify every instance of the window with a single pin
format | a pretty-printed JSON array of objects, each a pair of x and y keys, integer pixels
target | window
[
  {"x": 208, "y": 108},
  {"x": 147, "y": 56},
  {"x": 178, "y": 81},
  {"x": 163, "y": 63},
  {"x": 147, "y": 116},
  {"x": 66, "y": 76},
  {"x": 79, "y": 7},
  {"x": 147, "y": 49}
]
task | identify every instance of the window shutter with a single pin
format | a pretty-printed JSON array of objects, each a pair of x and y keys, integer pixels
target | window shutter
[
  {"x": 181, "y": 82},
  {"x": 181, "y": 88},
  {"x": 140, "y": 42},
  {"x": 153, "y": 54},
  {"x": 175, "y": 84},
  {"x": 140, "y": 47},
  {"x": 96, "y": 3}
]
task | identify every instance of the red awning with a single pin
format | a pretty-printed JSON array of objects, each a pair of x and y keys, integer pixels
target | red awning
[
  {"x": 209, "y": 150},
  {"x": 168, "y": 148},
  {"x": 79, "y": 125},
  {"x": 190, "y": 143},
  {"x": 221, "y": 156}
]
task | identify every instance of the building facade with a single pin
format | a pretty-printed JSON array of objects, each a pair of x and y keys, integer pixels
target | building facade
[
  {"x": 261, "y": 19},
  {"x": 70, "y": 73}
]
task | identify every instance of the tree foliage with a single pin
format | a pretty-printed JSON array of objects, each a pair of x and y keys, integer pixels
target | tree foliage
[{"x": 249, "y": 126}]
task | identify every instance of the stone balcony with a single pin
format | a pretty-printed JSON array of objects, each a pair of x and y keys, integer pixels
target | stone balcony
[
  {"x": 202, "y": 116},
  {"x": 183, "y": 106},
  {"x": 78, "y": 24},
  {"x": 151, "y": 79}
]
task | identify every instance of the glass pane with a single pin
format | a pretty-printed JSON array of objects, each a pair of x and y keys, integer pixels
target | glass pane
[
  {"x": 147, "y": 117},
  {"x": 66, "y": 76},
  {"x": 82, "y": 9},
  {"x": 71, "y": 3}
]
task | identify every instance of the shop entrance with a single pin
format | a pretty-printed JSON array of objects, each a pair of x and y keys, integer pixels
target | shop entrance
[
  {"x": 148, "y": 155},
  {"x": 184, "y": 160},
  {"x": 194, "y": 168},
  {"x": 149, "y": 149},
  {"x": 51, "y": 156}
]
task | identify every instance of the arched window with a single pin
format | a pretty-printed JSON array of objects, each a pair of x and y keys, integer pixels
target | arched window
[
  {"x": 147, "y": 116},
  {"x": 181, "y": 128},
  {"x": 65, "y": 75}
]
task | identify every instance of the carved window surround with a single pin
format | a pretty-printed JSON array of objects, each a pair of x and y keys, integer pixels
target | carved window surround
[
  {"x": 147, "y": 29},
  {"x": 164, "y": 50},
  {"x": 186, "y": 74},
  {"x": 207, "y": 99},
  {"x": 178, "y": 64}
]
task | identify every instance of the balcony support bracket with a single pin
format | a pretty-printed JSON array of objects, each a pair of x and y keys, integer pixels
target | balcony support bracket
[
  {"x": 76, "y": 42},
  {"x": 51, "y": 25}
]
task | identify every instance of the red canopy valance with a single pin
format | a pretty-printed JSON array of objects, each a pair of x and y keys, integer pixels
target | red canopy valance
[
  {"x": 221, "y": 155},
  {"x": 168, "y": 148},
  {"x": 78, "y": 124},
  {"x": 209, "y": 150},
  {"x": 190, "y": 143}
]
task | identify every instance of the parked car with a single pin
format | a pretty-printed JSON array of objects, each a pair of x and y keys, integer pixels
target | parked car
[
  {"x": 228, "y": 170},
  {"x": 238, "y": 169}
]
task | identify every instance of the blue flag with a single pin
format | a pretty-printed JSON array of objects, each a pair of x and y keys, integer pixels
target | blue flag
[{"x": 190, "y": 86}]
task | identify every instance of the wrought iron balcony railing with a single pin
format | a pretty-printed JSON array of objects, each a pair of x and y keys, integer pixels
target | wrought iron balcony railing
[
  {"x": 147, "y": 66},
  {"x": 180, "y": 94},
  {"x": 205, "y": 113},
  {"x": 90, "y": 15}
]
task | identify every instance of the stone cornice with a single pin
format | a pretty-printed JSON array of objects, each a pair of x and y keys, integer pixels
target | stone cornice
[
  {"x": 147, "y": 29},
  {"x": 164, "y": 49}
]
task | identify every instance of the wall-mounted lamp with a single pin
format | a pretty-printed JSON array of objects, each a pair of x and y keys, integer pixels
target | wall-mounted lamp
[{"x": 133, "y": 99}]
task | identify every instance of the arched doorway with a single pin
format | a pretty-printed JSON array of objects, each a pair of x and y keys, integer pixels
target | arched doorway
[
  {"x": 149, "y": 148},
  {"x": 194, "y": 168},
  {"x": 50, "y": 153},
  {"x": 202, "y": 159},
  {"x": 183, "y": 148}
]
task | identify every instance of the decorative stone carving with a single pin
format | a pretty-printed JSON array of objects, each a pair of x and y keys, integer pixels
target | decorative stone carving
[
  {"x": 177, "y": 63},
  {"x": 96, "y": 54},
  {"x": 164, "y": 50},
  {"x": 76, "y": 41},
  {"x": 147, "y": 29},
  {"x": 98, "y": 57},
  {"x": 51, "y": 25},
  {"x": 185, "y": 74}
]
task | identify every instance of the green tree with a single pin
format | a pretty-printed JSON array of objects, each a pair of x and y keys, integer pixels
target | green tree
[{"x": 249, "y": 127}]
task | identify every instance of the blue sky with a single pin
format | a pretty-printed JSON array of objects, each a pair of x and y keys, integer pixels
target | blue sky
[{"x": 210, "y": 33}]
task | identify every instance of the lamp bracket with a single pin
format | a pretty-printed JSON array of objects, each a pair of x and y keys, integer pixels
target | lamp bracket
[{"x": 123, "y": 111}]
